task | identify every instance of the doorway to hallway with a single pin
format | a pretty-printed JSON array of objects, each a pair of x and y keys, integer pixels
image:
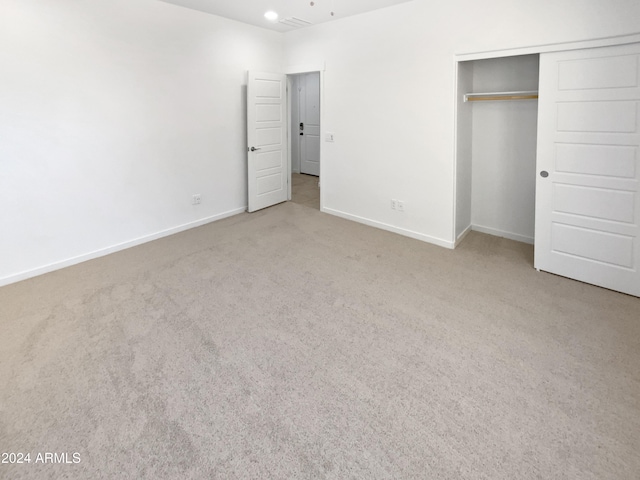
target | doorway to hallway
[
  {"x": 305, "y": 123},
  {"x": 305, "y": 138}
]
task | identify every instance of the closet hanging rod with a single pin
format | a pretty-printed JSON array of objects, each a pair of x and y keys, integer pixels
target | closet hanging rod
[{"x": 491, "y": 96}]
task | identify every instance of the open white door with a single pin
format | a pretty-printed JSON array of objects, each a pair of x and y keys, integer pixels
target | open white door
[
  {"x": 267, "y": 140},
  {"x": 587, "y": 194}
]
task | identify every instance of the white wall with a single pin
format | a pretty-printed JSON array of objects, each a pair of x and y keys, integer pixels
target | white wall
[
  {"x": 504, "y": 148},
  {"x": 389, "y": 95},
  {"x": 112, "y": 114}
]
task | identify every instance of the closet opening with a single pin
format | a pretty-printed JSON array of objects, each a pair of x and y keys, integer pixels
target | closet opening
[{"x": 497, "y": 115}]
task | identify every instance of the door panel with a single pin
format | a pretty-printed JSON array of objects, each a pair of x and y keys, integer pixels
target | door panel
[
  {"x": 269, "y": 183},
  {"x": 600, "y": 160},
  {"x": 588, "y": 206},
  {"x": 268, "y": 160},
  {"x": 267, "y": 167},
  {"x": 600, "y": 203},
  {"x": 592, "y": 245},
  {"x": 605, "y": 117},
  {"x": 603, "y": 72},
  {"x": 268, "y": 113},
  {"x": 268, "y": 137}
]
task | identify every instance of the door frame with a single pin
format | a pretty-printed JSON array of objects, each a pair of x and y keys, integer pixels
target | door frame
[{"x": 289, "y": 72}]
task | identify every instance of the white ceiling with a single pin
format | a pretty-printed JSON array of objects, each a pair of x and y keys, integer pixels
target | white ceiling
[{"x": 252, "y": 11}]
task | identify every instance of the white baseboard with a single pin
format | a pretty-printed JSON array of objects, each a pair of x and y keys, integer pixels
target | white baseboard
[
  {"x": 460, "y": 237},
  {"x": 499, "y": 233},
  {"x": 390, "y": 228},
  {"x": 115, "y": 248}
]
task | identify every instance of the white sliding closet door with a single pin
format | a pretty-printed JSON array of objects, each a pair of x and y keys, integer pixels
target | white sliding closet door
[{"x": 588, "y": 167}]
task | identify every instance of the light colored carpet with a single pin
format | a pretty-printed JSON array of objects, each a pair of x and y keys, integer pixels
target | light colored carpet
[{"x": 291, "y": 344}]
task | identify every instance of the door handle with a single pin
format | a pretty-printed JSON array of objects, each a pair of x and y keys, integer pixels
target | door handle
[
  {"x": 301, "y": 126},
  {"x": 544, "y": 174},
  {"x": 253, "y": 149}
]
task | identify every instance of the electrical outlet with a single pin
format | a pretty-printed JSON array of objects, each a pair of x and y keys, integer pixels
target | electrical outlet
[
  {"x": 196, "y": 199},
  {"x": 394, "y": 204},
  {"x": 400, "y": 205}
]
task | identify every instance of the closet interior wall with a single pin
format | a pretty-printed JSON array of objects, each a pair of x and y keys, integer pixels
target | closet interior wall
[{"x": 496, "y": 149}]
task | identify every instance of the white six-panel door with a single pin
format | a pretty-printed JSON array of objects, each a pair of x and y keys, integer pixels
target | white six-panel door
[
  {"x": 267, "y": 140},
  {"x": 588, "y": 164}
]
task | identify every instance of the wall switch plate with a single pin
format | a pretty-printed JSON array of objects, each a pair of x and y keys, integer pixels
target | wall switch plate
[
  {"x": 196, "y": 199},
  {"x": 400, "y": 205},
  {"x": 328, "y": 137}
]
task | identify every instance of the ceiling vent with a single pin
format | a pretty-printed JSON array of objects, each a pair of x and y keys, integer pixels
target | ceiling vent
[{"x": 295, "y": 22}]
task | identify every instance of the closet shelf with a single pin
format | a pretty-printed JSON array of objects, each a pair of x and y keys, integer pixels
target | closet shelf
[{"x": 492, "y": 96}]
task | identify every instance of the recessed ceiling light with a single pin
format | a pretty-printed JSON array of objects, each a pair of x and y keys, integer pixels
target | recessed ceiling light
[{"x": 270, "y": 15}]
